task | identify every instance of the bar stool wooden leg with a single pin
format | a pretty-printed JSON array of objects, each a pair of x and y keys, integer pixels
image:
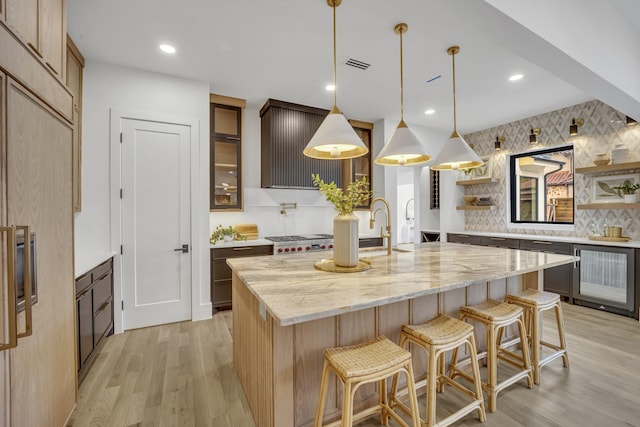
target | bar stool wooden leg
[
  {"x": 322, "y": 397},
  {"x": 492, "y": 365},
  {"x": 535, "y": 344},
  {"x": 475, "y": 367},
  {"x": 563, "y": 342},
  {"x": 432, "y": 376}
]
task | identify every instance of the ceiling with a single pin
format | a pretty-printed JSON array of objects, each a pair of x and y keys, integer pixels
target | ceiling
[{"x": 282, "y": 49}]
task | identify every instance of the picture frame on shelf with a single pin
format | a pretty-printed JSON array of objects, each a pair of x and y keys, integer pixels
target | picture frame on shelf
[
  {"x": 485, "y": 170},
  {"x": 602, "y": 187}
]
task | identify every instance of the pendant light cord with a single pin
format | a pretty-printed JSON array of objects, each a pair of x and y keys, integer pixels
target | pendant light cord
[
  {"x": 401, "y": 82},
  {"x": 453, "y": 62},
  {"x": 335, "y": 88}
]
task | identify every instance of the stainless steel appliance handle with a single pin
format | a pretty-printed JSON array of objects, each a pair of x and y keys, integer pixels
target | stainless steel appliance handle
[
  {"x": 26, "y": 274},
  {"x": 12, "y": 324}
]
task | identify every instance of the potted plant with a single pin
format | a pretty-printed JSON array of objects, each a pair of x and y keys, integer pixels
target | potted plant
[
  {"x": 629, "y": 191},
  {"x": 226, "y": 233},
  {"x": 345, "y": 225}
]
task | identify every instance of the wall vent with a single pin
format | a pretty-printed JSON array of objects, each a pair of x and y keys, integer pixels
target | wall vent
[{"x": 357, "y": 64}]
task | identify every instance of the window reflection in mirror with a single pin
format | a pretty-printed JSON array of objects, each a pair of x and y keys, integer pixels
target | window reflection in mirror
[{"x": 542, "y": 186}]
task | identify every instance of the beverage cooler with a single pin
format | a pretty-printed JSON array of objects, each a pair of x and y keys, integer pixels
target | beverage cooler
[{"x": 604, "y": 278}]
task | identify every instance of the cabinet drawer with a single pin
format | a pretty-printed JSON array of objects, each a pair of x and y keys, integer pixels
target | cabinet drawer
[
  {"x": 546, "y": 246},
  {"x": 241, "y": 251},
  {"x": 102, "y": 269},
  {"x": 83, "y": 282},
  {"x": 102, "y": 322},
  {"x": 370, "y": 242},
  {"x": 85, "y": 328},
  {"x": 502, "y": 242},
  {"x": 221, "y": 271},
  {"x": 221, "y": 293},
  {"x": 102, "y": 292},
  {"x": 466, "y": 239}
]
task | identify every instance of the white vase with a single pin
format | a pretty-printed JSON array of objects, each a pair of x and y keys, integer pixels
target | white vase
[
  {"x": 631, "y": 198},
  {"x": 345, "y": 240}
]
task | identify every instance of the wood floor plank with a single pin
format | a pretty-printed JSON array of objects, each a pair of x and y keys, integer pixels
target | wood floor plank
[{"x": 182, "y": 375}]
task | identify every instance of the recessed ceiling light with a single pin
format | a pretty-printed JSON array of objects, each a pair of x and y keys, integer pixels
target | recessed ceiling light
[
  {"x": 515, "y": 77},
  {"x": 167, "y": 48},
  {"x": 430, "y": 111},
  {"x": 330, "y": 87}
]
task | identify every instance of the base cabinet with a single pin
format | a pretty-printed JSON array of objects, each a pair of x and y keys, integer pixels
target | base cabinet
[
  {"x": 94, "y": 304},
  {"x": 221, "y": 272}
]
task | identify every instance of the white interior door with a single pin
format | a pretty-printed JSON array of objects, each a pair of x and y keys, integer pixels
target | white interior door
[{"x": 155, "y": 223}]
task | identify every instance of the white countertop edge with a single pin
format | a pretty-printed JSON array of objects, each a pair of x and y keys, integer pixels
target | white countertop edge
[
  {"x": 565, "y": 239},
  {"x": 99, "y": 260},
  {"x": 238, "y": 243},
  {"x": 288, "y": 321}
]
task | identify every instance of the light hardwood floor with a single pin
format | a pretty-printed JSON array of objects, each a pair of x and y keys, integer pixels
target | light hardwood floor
[{"x": 182, "y": 374}]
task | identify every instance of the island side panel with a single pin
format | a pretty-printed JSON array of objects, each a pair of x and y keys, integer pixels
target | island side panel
[{"x": 253, "y": 353}]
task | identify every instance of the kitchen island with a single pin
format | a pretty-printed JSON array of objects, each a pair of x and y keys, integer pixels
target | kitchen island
[{"x": 285, "y": 312}]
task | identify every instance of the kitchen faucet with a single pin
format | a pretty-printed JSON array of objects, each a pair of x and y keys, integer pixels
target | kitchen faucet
[{"x": 388, "y": 214}]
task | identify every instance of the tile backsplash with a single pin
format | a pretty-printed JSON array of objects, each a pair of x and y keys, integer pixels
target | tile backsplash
[{"x": 603, "y": 129}]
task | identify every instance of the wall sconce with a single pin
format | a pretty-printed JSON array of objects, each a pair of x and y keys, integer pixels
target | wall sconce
[
  {"x": 533, "y": 136},
  {"x": 630, "y": 121},
  {"x": 573, "y": 128},
  {"x": 499, "y": 141}
]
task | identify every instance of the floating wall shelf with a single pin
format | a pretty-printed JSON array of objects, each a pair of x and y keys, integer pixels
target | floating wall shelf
[
  {"x": 609, "y": 168},
  {"x": 610, "y": 206},
  {"x": 476, "y": 181},
  {"x": 474, "y": 208}
]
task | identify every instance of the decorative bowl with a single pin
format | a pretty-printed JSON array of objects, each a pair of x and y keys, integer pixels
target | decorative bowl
[{"x": 468, "y": 200}]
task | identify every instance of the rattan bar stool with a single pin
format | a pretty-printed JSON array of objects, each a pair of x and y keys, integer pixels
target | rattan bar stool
[
  {"x": 370, "y": 361},
  {"x": 436, "y": 337},
  {"x": 496, "y": 316},
  {"x": 534, "y": 303}
]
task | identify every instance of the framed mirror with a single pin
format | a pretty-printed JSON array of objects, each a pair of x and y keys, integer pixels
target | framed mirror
[{"x": 542, "y": 186}]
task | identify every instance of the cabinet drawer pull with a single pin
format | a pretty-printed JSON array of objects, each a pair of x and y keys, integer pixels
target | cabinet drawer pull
[
  {"x": 464, "y": 236},
  {"x": 103, "y": 306},
  {"x": 245, "y": 248},
  {"x": 497, "y": 238},
  {"x": 86, "y": 291},
  {"x": 540, "y": 242},
  {"x": 10, "y": 292},
  {"x": 35, "y": 49},
  {"x": 26, "y": 274},
  {"x": 233, "y": 138},
  {"x": 52, "y": 69}
]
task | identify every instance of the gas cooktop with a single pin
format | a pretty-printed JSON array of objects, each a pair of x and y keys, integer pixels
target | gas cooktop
[{"x": 299, "y": 238}]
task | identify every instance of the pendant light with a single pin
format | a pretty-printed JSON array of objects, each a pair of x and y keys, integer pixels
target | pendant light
[
  {"x": 456, "y": 153},
  {"x": 335, "y": 139},
  {"x": 403, "y": 148}
]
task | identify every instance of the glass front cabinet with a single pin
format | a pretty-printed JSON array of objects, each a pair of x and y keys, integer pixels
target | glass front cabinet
[{"x": 226, "y": 157}]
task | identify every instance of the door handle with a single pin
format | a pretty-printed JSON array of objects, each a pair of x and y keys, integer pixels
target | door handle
[
  {"x": 12, "y": 327},
  {"x": 26, "y": 281},
  {"x": 184, "y": 249}
]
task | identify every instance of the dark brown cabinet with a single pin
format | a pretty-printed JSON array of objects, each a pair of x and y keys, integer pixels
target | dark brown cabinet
[
  {"x": 221, "y": 272},
  {"x": 360, "y": 167},
  {"x": 556, "y": 279},
  {"x": 75, "y": 67},
  {"x": 466, "y": 239},
  {"x": 286, "y": 129},
  {"x": 225, "y": 157},
  {"x": 94, "y": 305},
  {"x": 370, "y": 242}
]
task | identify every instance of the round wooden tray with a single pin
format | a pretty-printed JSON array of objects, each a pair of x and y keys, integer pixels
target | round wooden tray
[
  {"x": 329, "y": 265},
  {"x": 610, "y": 239}
]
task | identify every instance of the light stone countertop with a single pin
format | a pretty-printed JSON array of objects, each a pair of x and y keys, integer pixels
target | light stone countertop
[
  {"x": 293, "y": 291},
  {"x": 567, "y": 239}
]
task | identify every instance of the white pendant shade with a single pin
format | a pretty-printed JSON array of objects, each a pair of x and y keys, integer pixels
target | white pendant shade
[
  {"x": 335, "y": 139},
  {"x": 403, "y": 148},
  {"x": 456, "y": 154}
]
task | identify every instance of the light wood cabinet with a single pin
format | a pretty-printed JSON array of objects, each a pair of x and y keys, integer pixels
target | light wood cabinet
[
  {"x": 36, "y": 191},
  {"x": 41, "y": 24},
  {"x": 75, "y": 66}
]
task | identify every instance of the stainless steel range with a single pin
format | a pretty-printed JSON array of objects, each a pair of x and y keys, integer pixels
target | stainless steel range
[{"x": 301, "y": 243}]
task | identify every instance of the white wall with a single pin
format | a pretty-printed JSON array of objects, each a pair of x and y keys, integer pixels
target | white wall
[{"x": 109, "y": 87}]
